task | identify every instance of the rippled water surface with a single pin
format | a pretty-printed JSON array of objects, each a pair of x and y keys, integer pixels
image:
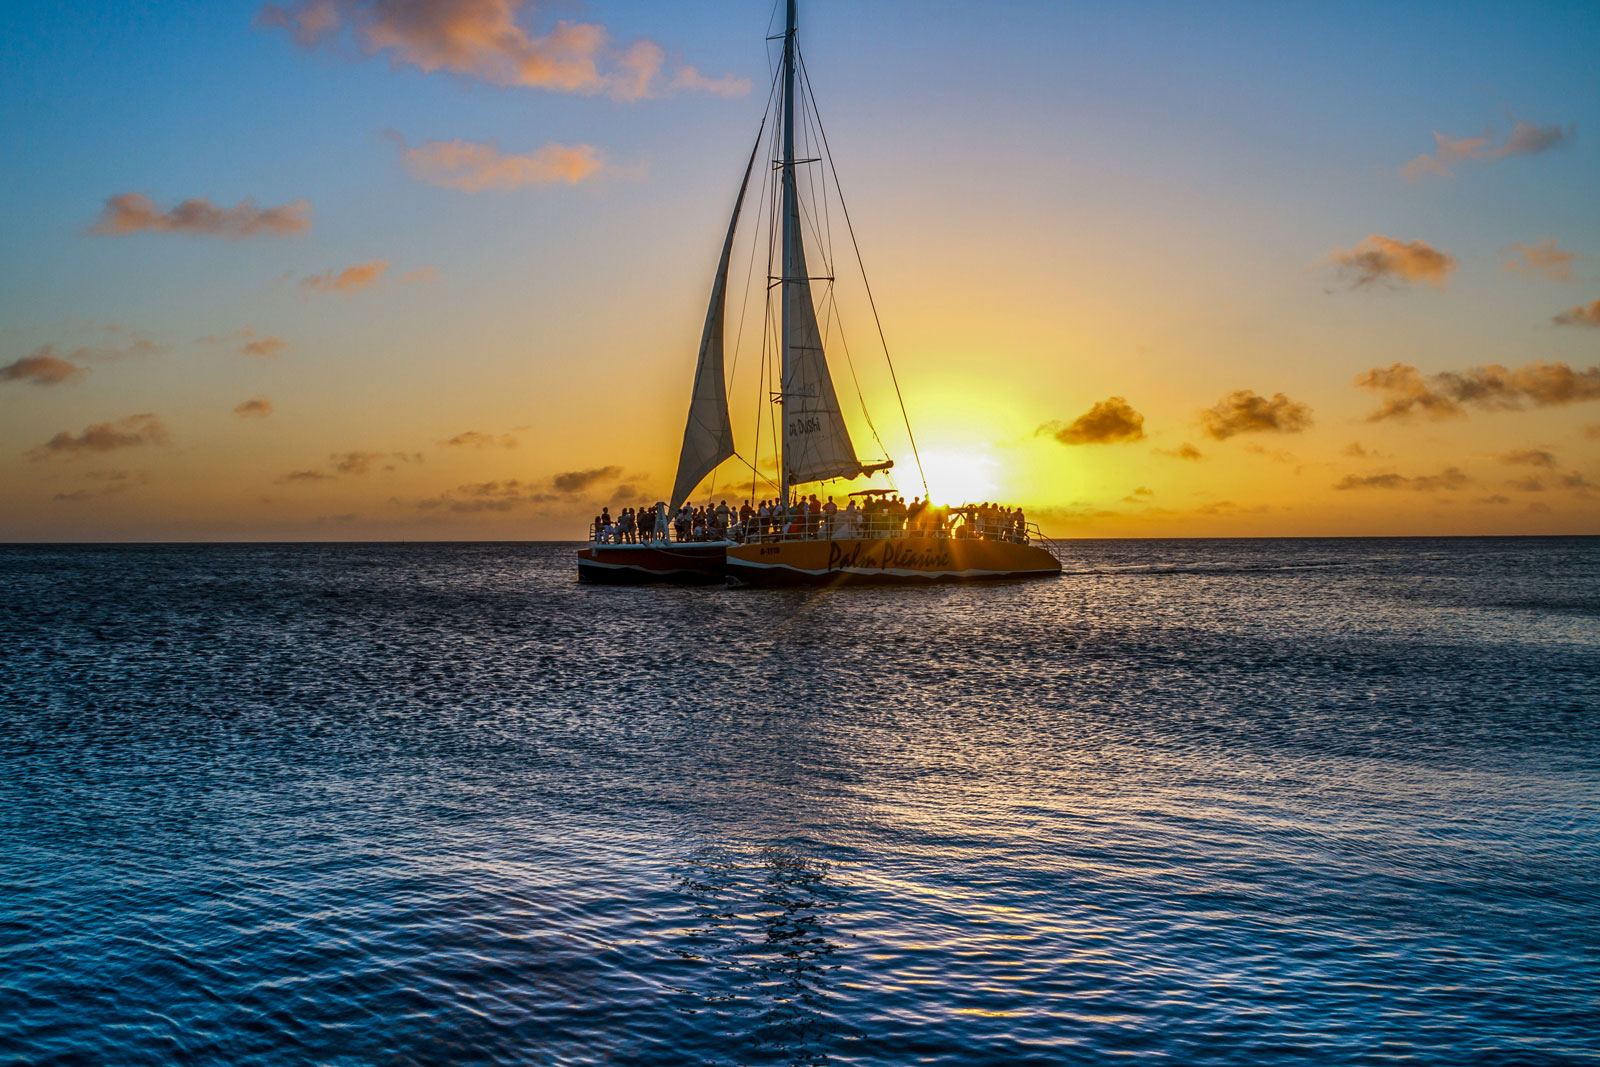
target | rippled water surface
[{"x": 1210, "y": 802}]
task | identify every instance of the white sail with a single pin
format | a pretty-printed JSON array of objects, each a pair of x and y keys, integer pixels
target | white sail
[
  {"x": 708, "y": 436},
  {"x": 816, "y": 443}
]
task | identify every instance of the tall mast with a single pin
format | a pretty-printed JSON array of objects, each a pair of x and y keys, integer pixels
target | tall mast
[{"x": 791, "y": 231}]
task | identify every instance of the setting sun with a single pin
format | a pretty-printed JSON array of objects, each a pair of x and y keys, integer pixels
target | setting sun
[{"x": 960, "y": 478}]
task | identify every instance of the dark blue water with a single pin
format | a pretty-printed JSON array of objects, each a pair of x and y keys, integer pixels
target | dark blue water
[{"x": 1209, "y": 802}]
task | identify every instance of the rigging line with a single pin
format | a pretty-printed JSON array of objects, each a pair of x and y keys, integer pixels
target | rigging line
[
  {"x": 755, "y": 474},
  {"x": 851, "y": 363},
  {"x": 811, "y": 186},
  {"x": 813, "y": 117},
  {"x": 744, "y": 301},
  {"x": 850, "y": 226}
]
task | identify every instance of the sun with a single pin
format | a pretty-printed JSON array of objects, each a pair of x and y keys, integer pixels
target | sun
[{"x": 959, "y": 478}]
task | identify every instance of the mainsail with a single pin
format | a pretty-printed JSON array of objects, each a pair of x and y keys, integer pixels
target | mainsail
[
  {"x": 708, "y": 436},
  {"x": 816, "y": 444}
]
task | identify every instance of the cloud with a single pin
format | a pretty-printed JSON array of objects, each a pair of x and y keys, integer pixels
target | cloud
[
  {"x": 1183, "y": 451},
  {"x": 1546, "y": 259},
  {"x": 473, "y": 166},
  {"x": 687, "y": 77},
  {"x": 257, "y": 407},
  {"x": 1582, "y": 315},
  {"x": 42, "y": 367},
  {"x": 135, "y": 212},
  {"x": 304, "y": 476},
  {"x": 1530, "y": 484},
  {"x": 1243, "y": 411},
  {"x": 1529, "y": 457},
  {"x": 266, "y": 347},
  {"x": 1495, "y": 499},
  {"x": 420, "y": 276},
  {"x": 1491, "y": 387},
  {"x": 129, "y": 432},
  {"x": 488, "y": 496},
  {"x": 1111, "y": 420},
  {"x": 110, "y": 484},
  {"x": 1355, "y": 450},
  {"x": 482, "y": 39},
  {"x": 1577, "y": 481},
  {"x": 578, "y": 481},
  {"x": 1449, "y": 478},
  {"x": 475, "y": 439},
  {"x": 1525, "y": 139},
  {"x": 1140, "y": 491},
  {"x": 1378, "y": 259},
  {"x": 363, "y": 462},
  {"x": 350, "y": 280}
]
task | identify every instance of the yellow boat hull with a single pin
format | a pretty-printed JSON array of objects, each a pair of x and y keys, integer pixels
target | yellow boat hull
[{"x": 896, "y": 560}]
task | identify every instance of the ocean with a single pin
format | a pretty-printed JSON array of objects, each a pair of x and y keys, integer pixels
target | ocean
[{"x": 1206, "y": 802}]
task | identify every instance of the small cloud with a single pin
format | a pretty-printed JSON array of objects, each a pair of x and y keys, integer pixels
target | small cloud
[
  {"x": 43, "y": 367},
  {"x": 1491, "y": 387},
  {"x": 358, "y": 463},
  {"x": 1529, "y": 457},
  {"x": 109, "y": 483},
  {"x": 475, "y": 439},
  {"x": 265, "y": 347},
  {"x": 257, "y": 407},
  {"x": 1525, "y": 139},
  {"x": 482, "y": 39},
  {"x": 1141, "y": 491},
  {"x": 690, "y": 79},
  {"x": 129, "y": 432},
  {"x": 1244, "y": 411},
  {"x": 1355, "y": 451},
  {"x": 1183, "y": 451},
  {"x": 1582, "y": 315},
  {"x": 1111, "y": 420},
  {"x": 420, "y": 276},
  {"x": 1495, "y": 499},
  {"x": 304, "y": 476},
  {"x": 506, "y": 495},
  {"x": 1449, "y": 478},
  {"x": 350, "y": 280},
  {"x": 1228, "y": 507},
  {"x": 129, "y": 213},
  {"x": 1529, "y": 484},
  {"x": 1277, "y": 455},
  {"x": 578, "y": 481},
  {"x": 1545, "y": 259},
  {"x": 1577, "y": 481},
  {"x": 1378, "y": 259},
  {"x": 473, "y": 166}
]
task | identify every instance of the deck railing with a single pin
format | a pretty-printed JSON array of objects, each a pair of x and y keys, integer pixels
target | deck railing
[{"x": 868, "y": 528}]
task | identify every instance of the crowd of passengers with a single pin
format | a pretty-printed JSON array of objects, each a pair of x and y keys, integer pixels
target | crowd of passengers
[{"x": 810, "y": 518}]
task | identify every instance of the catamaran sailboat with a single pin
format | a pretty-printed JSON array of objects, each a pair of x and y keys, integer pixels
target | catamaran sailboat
[{"x": 815, "y": 444}]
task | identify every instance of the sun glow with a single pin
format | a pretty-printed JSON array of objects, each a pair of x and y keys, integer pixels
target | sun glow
[{"x": 959, "y": 478}]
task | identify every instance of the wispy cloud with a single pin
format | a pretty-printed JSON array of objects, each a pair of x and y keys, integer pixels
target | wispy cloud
[
  {"x": 1378, "y": 259},
  {"x": 1525, "y": 139},
  {"x": 257, "y": 407},
  {"x": 500, "y": 495},
  {"x": 304, "y": 476},
  {"x": 1183, "y": 451},
  {"x": 1244, "y": 411},
  {"x": 363, "y": 462},
  {"x": 1547, "y": 259},
  {"x": 474, "y": 166},
  {"x": 1491, "y": 387},
  {"x": 1528, "y": 457},
  {"x": 42, "y": 367},
  {"x": 129, "y": 213},
  {"x": 476, "y": 439},
  {"x": 1449, "y": 478},
  {"x": 106, "y": 483},
  {"x": 128, "y": 432},
  {"x": 1109, "y": 421},
  {"x": 247, "y": 342},
  {"x": 1582, "y": 315},
  {"x": 578, "y": 481},
  {"x": 349, "y": 280},
  {"x": 486, "y": 40}
]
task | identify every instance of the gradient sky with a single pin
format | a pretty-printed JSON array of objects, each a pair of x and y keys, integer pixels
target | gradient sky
[{"x": 1146, "y": 269}]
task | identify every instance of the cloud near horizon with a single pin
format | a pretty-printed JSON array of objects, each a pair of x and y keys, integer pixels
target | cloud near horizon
[
  {"x": 1582, "y": 315},
  {"x": 1525, "y": 139},
  {"x": 128, "y": 213},
  {"x": 349, "y": 280},
  {"x": 43, "y": 367},
  {"x": 1110, "y": 421},
  {"x": 578, "y": 481},
  {"x": 477, "y": 439},
  {"x": 128, "y": 432},
  {"x": 257, "y": 407},
  {"x": 1490, "y": 387},
  {"x": 1528, "y": 457},
  {"x": 1547, "y": 259},
  {"x": 1449, "y": 478},
  {"x": 482, "y": 39},
  {"x": 1378, "y": 259},
  {"x": 1245, "y": 411},
  {"x": 474, "y": 166}
]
